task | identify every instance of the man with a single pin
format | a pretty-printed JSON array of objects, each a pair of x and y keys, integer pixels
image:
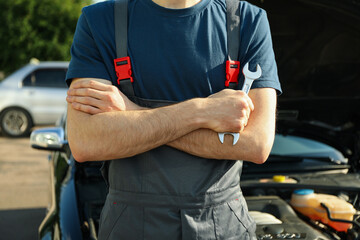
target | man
[{"x": 170, "y": 179}]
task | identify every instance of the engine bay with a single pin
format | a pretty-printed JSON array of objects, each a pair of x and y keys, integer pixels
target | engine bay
[
  {"x": 266, "y": 196},
  {"x": 277, "y": 220}
]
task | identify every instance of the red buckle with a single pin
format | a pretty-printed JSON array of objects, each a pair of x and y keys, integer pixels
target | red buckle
[
  {"x": 123, "y": 69},
  {"x": 232, "y": 72}
]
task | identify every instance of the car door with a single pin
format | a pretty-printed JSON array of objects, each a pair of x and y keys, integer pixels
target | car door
[{"x": 44, "y": 91}]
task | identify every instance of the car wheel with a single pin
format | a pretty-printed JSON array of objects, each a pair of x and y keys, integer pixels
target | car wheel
[{"x": 15, "y": 122}]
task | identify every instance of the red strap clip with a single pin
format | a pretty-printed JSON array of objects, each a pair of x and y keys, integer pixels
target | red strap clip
[
  {"x": 123, "y": 69},
  {"x": 232, "y": 72}
]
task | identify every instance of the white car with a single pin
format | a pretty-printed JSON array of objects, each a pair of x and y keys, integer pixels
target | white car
[{"x": 33, "y": 95}]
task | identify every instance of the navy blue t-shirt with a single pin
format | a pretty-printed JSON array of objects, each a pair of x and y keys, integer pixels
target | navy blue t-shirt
[{"x": 177, "y": 54}]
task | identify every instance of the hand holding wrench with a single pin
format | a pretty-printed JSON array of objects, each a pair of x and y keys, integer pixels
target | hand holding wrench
[{"x": 249, "y": 79}]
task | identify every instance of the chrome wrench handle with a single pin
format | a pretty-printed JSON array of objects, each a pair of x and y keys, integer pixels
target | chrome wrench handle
[{"x": 249, "y": 79}]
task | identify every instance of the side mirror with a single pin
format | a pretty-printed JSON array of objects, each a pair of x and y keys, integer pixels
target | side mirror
[{"x": 51, "y": 139}]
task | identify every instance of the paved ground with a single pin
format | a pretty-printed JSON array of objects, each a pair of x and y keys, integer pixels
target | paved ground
[{"x": 24, "y": 188}]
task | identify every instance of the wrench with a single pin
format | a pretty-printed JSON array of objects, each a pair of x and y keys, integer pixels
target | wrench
[{"x": 249, "y": 79}]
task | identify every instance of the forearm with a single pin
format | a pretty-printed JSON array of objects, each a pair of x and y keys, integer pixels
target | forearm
[
  {"x": 122, "y": 134},
  {"x": 205, "y": 143}
]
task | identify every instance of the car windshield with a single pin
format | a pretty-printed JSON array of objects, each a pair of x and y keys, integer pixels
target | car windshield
[
  {"x": 297, "y": 155},
  {"x": 288, "y": 145}
]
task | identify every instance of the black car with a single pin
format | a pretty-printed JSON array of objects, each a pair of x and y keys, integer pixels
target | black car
[{"x": 316, "y": 154}]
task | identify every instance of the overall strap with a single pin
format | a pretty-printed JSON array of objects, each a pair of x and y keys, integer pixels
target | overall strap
[
  {"x": 233, "y": 43},
  {"x": 122, "y": 62},
  {"x": 121, "y": 23},
  {"x": 233, "y": 28}
]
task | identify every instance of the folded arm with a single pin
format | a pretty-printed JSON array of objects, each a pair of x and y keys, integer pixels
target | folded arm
[{"x": 118, "y": 128}]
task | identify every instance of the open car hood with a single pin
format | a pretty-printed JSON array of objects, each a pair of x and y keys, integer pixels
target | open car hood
[{"x": 316, "y": 45}]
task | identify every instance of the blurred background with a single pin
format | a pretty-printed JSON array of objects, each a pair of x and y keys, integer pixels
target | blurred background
[{"x": 41, "y": 29}]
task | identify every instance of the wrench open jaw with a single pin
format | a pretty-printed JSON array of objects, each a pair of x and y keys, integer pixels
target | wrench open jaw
[
  {"x": 235, "y": 135},
  {"x": 249, "y": 79}
]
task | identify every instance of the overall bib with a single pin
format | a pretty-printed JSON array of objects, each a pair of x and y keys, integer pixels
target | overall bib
[{"x": 167, "y": 194}]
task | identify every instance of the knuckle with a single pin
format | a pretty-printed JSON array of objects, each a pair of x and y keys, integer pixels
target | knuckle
[
  {"x": 72, "y": 92},
  {"x": 243, "y": 122},
  {"x": 108, "y": 97},
  {"x": 108, "y": 109},
  {"x": 226, "y": 92},
  {"x": 80, "y": 107},
  {"x": 75, "y": 106},
  {"x": 241, "y": 103},
  {"x": 239, "y": 93},
  {"x": 87, "y": 91},
  {"x": 113, "y": 89},
  {"x": 91, "y": 83},
  {"x": 244, "y": 112}
]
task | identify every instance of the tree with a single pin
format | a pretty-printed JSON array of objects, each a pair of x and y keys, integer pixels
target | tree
[{"x": 41, "y": 29}]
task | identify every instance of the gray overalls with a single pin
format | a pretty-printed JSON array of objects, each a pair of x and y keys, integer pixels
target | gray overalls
[{"x": 167, "y": 194}]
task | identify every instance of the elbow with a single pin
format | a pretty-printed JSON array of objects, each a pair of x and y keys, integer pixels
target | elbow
[
  {"x": 87, "y": 151},
  {"x": 262, "y": 150},
  {"x": 79, "y": 153},
  {"x": 261, "y": 156},
  {"x": 83, "y": 144},
  {"x": 81, "y": 148},
  {"x": 77, "y": 147},
  {"x": 79, "y": 157},
  {"x": 257, "y": 155}
]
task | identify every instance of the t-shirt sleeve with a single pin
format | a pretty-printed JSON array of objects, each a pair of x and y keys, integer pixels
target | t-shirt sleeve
[
  {"x": 256, "y": 48},
  {"x": 86, "y": 60}
]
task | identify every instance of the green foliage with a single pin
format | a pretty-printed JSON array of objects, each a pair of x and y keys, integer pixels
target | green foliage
[{"x": 41, "y": 29}]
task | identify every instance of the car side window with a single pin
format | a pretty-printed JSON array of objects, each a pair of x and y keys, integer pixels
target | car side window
[{"x": 54, "y": 78}]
